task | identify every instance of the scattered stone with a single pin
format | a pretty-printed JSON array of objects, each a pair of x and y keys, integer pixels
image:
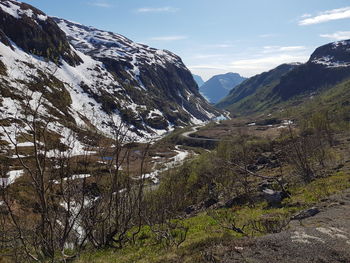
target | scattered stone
[
  {"x": 262, "y": 160},
  {"x": 273, "y": 164},
  {"x": 236, "y": 201},
  {"x": 265, "y": 184},
  {"x": 190, "y": 209},
  {"x": 306, "y": 213},
  {"x": 252, "y": 167},
  {"x": 274, "y": 198},
  {"x": 339, "y": 166},
  {"x": 333, "y": 204},
  {"x": 209, "y": 202}
]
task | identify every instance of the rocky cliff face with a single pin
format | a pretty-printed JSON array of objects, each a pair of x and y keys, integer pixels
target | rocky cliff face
[
  {"x": 34, "y": 32},
  {"x": 86, "y": 78}
]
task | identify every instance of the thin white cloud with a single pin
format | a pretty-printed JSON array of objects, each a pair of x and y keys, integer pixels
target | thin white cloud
[
  {"x": 292, "y": 48},
  {"x": 339, "y": 35},
  {"x": 206, "y": 56},
  {"x": 168, "y": 38},
  {"x": 100, "y": 4},
  {"x": 267, "y": 62},
  {"x": 306, "y": 16},
  {"x": 267, "y": 35},
  {"x": 166, "y": 9},
  {"x": 215, "y": 46},
  {"x": 220, "y": 46},
  {"x": 329, "y": 15},
  {"x": 207, "y": 66},
  {"x": 275, "y": 49}
]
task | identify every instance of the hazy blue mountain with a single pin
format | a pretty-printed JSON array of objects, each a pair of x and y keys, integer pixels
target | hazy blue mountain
[
  {"x": 219, "y": 86},
  {"x": 198, "y": 80}
]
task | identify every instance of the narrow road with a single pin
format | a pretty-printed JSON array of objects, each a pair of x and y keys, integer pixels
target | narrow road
[{"x": 193, "y": 130}]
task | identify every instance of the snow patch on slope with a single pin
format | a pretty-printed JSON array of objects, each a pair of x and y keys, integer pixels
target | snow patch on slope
[
  {"x": 329, "y": 62},
  {"x": 14, "y": 9}
]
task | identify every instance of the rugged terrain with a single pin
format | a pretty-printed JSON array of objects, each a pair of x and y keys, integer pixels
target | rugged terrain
[{"x": 82, "y": 181}]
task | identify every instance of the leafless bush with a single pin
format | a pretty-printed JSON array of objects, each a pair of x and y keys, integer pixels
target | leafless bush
[{"x": 269, "y": 224}]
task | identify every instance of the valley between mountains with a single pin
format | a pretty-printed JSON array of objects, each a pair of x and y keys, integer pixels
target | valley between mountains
[{"x": 111, "y": 152}]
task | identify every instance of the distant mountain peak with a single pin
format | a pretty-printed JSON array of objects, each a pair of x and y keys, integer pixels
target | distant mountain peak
[{"x": 218, "y": 86}]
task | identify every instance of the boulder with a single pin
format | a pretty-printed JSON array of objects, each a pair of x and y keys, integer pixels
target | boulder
[
  {"x": 190, "y": 209},
  {"x": 236, "y": 201},
  {"x": 274, "y": 198},
  {"x": 306, "y": 213},
  {"x": 209, "y": 202}
]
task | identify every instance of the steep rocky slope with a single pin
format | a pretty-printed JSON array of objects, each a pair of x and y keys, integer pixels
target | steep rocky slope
[
  {"x": 328, "y": 65},
  {"x": 218, "y": 86},
  {"x": 85, "y": 78}
]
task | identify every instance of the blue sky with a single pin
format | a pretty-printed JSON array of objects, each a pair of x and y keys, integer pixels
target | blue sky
[{"x": 217, "y": 36}]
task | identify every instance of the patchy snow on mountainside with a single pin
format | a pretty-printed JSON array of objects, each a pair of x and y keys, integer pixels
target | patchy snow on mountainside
[
  {"x": 178, "y": 159},
  {"x": 107, "y": 44},
  {"x": 329, "y": 62},
  {"x": 83, "y": 78},
  {"x": 12, "y": 176},
  {"x": 334, "y": 55},
  {"x": 14, "y": 9}
]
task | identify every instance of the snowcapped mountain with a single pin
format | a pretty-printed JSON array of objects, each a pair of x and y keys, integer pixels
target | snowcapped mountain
[{"x": 85, "y": 78}]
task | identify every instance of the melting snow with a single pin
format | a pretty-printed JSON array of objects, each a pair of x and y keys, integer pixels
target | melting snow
[
  {"x": 329, "y": 62},
  {"x": 25, "y": 144},
  {"x": 10, "y": 8},
  {"x": 15, "y": 10},
  {"x": 178, "y": 159},
  {"x": 12, "y": 176}
]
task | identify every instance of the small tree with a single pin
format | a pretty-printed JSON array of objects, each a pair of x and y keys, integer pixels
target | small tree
[{"x": 118, "y": 207}]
